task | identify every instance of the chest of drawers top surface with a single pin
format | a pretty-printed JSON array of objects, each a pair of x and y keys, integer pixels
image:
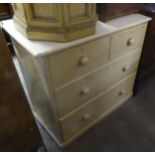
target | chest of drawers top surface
[
  {"x": 42, "y": 48},
  {"x": 127, "y": 21}
]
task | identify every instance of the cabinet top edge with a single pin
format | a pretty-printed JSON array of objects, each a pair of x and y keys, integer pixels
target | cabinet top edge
[
  {"x": 43, "y": 48},
  {"x": 127, "y": 21}
]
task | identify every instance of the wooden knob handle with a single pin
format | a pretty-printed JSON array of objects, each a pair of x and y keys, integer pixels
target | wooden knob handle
[
  {"x": 131, "y": 41},
  {"x": 126, "y": 68},
  {"x": 121, "y": 92},
  {"x": 85, "y": 91},
  {"x": 84, "y": 61},
  {"x": 86, "y": 117}
]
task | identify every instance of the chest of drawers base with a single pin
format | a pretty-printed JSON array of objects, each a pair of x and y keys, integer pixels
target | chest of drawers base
[{"x": 73, "y": 88}]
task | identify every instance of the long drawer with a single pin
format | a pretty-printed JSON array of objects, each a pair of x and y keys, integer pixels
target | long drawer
[
  {"x": 125, "y": 41},
  {"x": 74, "y": 62},
  {"x": 90, "y": 112},
  {"x": 75, "y": 94}
]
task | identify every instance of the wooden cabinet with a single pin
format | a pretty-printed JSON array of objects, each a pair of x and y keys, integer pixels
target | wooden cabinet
[
  {"x": 107, "y": 11},
  {"x": 5, "y": 10},
  {"x": 71, "y": 86},
  {"x": 56, "y": 22},
  {"x": 147, "y": 62}
]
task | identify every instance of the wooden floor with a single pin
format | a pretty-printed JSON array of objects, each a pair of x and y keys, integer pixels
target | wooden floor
[{"x": 129, "y": 128}]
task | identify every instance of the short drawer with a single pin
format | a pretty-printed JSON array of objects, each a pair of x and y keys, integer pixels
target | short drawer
[
  {"x": 89, "y": 113},
  {"x": 74, "y": 62},
  {"x": 75, "y": 94},
  {"x": 125, "y": 41}
]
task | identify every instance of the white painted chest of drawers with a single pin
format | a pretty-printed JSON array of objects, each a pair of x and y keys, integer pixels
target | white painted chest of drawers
[{"x": 71, "y": 86}]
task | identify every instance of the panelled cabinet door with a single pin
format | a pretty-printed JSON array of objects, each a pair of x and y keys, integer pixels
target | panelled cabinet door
[
  {"x": 56, "y": 22},
  {"x": 79, "y": 14}
]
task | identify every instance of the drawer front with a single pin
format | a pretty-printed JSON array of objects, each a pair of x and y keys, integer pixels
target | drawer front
[
  {"x": 84, "y": 116},
  {"x": 68, "y": 65},
  {"x": 125, "y": 41},
  {"x": 75, "y": 94}
]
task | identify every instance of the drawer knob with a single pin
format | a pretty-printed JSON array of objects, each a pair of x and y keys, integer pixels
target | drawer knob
[
  {"x": 126, "y": 68},
  {"x": 84, "y": 61},
  {"x": 122, "y": 92},
  {"x": 85, "y": 91},
  {"x": 86, "y": 117},
  {"x": 131, "y": 41}
]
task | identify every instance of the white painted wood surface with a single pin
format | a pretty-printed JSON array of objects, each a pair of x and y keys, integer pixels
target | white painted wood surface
[
  {"x": 41, "y": 48},
  {"x": 55, "y": 81},
  {"x": 127, "y": 21},
  {"x": 70, "y": 97},
  {"x": 95, "y": 107}
]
